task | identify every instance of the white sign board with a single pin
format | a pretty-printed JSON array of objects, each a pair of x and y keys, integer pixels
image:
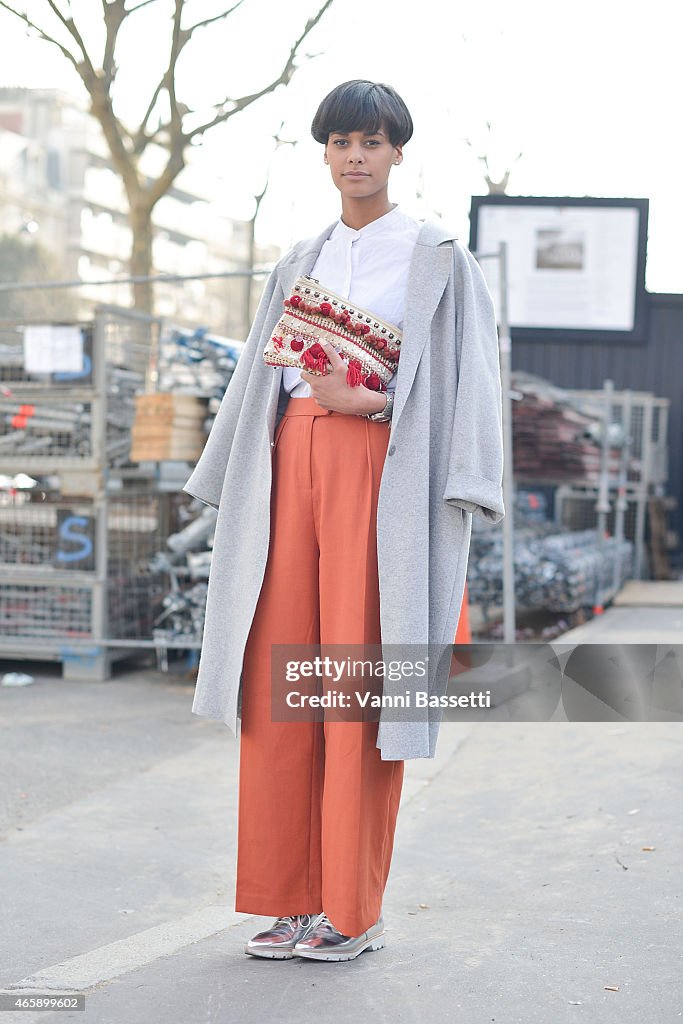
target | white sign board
[
  {"x": 569, "y": 267},
  {"x": 49, "y": 349}
]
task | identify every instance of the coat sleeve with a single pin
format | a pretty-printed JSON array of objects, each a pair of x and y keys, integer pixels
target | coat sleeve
[
  {"x": 475, "y": 470},
  {"x": 206, "y": 481}
]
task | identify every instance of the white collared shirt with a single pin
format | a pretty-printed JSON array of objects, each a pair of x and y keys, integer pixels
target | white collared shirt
[{"x": 368, "y": 266}]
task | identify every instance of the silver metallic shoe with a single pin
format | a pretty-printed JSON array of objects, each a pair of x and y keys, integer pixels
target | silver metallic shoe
[
  {"x": 278, "y": 941},
  {"x": 324, "y": 942}
]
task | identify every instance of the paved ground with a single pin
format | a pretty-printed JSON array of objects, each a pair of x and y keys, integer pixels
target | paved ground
[
  {"x": 651, "y": 592},
  {"x": 520, "y": 889},
  {"x": 630, "y": 624}
]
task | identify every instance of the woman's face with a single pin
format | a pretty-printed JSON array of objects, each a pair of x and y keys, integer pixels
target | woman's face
[{"x": 371, "y": 156}]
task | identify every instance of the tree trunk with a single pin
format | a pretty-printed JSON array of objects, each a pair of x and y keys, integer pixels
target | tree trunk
[{"x": 141, "y": 258}]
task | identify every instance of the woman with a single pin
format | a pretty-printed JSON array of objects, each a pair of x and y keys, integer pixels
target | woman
[{"x": 344, "y": 517}]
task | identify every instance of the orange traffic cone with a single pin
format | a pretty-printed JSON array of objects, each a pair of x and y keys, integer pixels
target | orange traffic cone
[{"x": 463, "y": 635}]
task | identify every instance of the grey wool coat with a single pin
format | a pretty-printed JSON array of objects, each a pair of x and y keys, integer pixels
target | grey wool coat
[{"x": 444, "y": 464}]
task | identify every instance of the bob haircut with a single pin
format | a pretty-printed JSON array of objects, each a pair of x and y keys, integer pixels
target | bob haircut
[{"x": 359, "y": 105}]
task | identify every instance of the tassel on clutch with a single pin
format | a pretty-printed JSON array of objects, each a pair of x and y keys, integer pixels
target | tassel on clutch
[{"x": 370, "y": 346}]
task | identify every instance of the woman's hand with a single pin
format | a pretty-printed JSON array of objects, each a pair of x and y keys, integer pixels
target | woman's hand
[{"x": 332, "y": 392}]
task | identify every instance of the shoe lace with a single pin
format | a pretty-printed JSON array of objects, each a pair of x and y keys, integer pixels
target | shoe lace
[{"x": 295, "y": 919}]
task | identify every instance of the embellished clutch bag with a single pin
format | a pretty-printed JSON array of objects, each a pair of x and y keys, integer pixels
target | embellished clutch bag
[{"x": 370, "y": 346}]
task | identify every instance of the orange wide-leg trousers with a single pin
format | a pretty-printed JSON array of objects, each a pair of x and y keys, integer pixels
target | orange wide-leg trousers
[{"x": 317, "y": 804}]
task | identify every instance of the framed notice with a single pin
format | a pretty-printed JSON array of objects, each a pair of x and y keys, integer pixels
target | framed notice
[{"x": 575, "y": 266}]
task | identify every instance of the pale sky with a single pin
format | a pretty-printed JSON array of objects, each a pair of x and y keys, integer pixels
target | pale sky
[{"x": 588, "y": 91}]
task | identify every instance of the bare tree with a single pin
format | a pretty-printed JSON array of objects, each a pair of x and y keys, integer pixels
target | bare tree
[
  {"x": 258, "y": 199},
  {"x": 167, "y": 121},
  {"x": 494, "y": 187},
  {"x": 420, "y": 189}
]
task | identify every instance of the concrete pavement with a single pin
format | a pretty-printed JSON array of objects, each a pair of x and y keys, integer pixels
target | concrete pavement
[{"x": 521, "y": 887}]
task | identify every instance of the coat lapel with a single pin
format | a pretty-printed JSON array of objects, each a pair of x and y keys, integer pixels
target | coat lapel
[
  {"x": 428, "y": 274},
  {"x": 430, "y": 267}
]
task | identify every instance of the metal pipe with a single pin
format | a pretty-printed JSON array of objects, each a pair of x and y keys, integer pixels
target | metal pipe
[
  {"x": 509, "y": 623},
  {"x": 505, "y": 347},
  {"x": 15, "y": 286}
]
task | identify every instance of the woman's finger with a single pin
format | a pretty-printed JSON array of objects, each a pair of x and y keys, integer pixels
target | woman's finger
[{"x": 332, "y": 354}]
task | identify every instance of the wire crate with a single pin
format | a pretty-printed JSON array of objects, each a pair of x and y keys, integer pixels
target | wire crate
[
  {"x": 75, "y": 420},
  {"x": 77, "y": 550}
]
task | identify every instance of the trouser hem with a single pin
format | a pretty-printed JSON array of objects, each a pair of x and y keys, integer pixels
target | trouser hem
[{"x": 272, "y": 906}]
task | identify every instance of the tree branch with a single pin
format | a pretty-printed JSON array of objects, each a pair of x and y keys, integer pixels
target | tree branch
[
  {"x": 114, "y": 16},
  {"x": 172, "y": 61},
  {"x": 132, "y": 10},
  {"x": 44, "y": 35},
  {"x": 160, "y": 186},
  {"x": 181, "y": 37},
  {"x": 283, "y": 78},
  {"x": 141, "y": 138},
  {"x": 70, "y": 25},
  {"x": 187, "y": 32},
  {"x": 124, "y": 161},
  {"x": 178, "y": 139}
]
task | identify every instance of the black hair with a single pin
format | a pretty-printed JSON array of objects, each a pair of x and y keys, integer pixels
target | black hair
[{"x": 360, "y": 105}]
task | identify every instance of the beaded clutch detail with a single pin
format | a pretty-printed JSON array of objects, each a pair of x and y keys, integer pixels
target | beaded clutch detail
[{"x": 370, "y": 346}]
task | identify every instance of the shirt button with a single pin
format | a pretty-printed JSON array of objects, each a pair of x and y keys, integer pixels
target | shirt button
[
  {"x": 392, "y": 450},
  {"x": 272, "y": 444}
]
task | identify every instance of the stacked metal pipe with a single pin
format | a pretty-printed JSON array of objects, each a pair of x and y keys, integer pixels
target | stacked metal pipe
[
  {"x": 187, "y": 567},
  {"x": 552, "y": 438},
  {"x": 196, "y": 362},
  {"x": 558, "y": 572}
]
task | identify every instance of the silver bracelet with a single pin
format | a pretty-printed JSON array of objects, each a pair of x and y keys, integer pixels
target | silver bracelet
[{"x": 384, "y": 414}]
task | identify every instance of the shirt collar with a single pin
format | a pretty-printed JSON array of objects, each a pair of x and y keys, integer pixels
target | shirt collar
[{"x": 386, "y": 222}]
